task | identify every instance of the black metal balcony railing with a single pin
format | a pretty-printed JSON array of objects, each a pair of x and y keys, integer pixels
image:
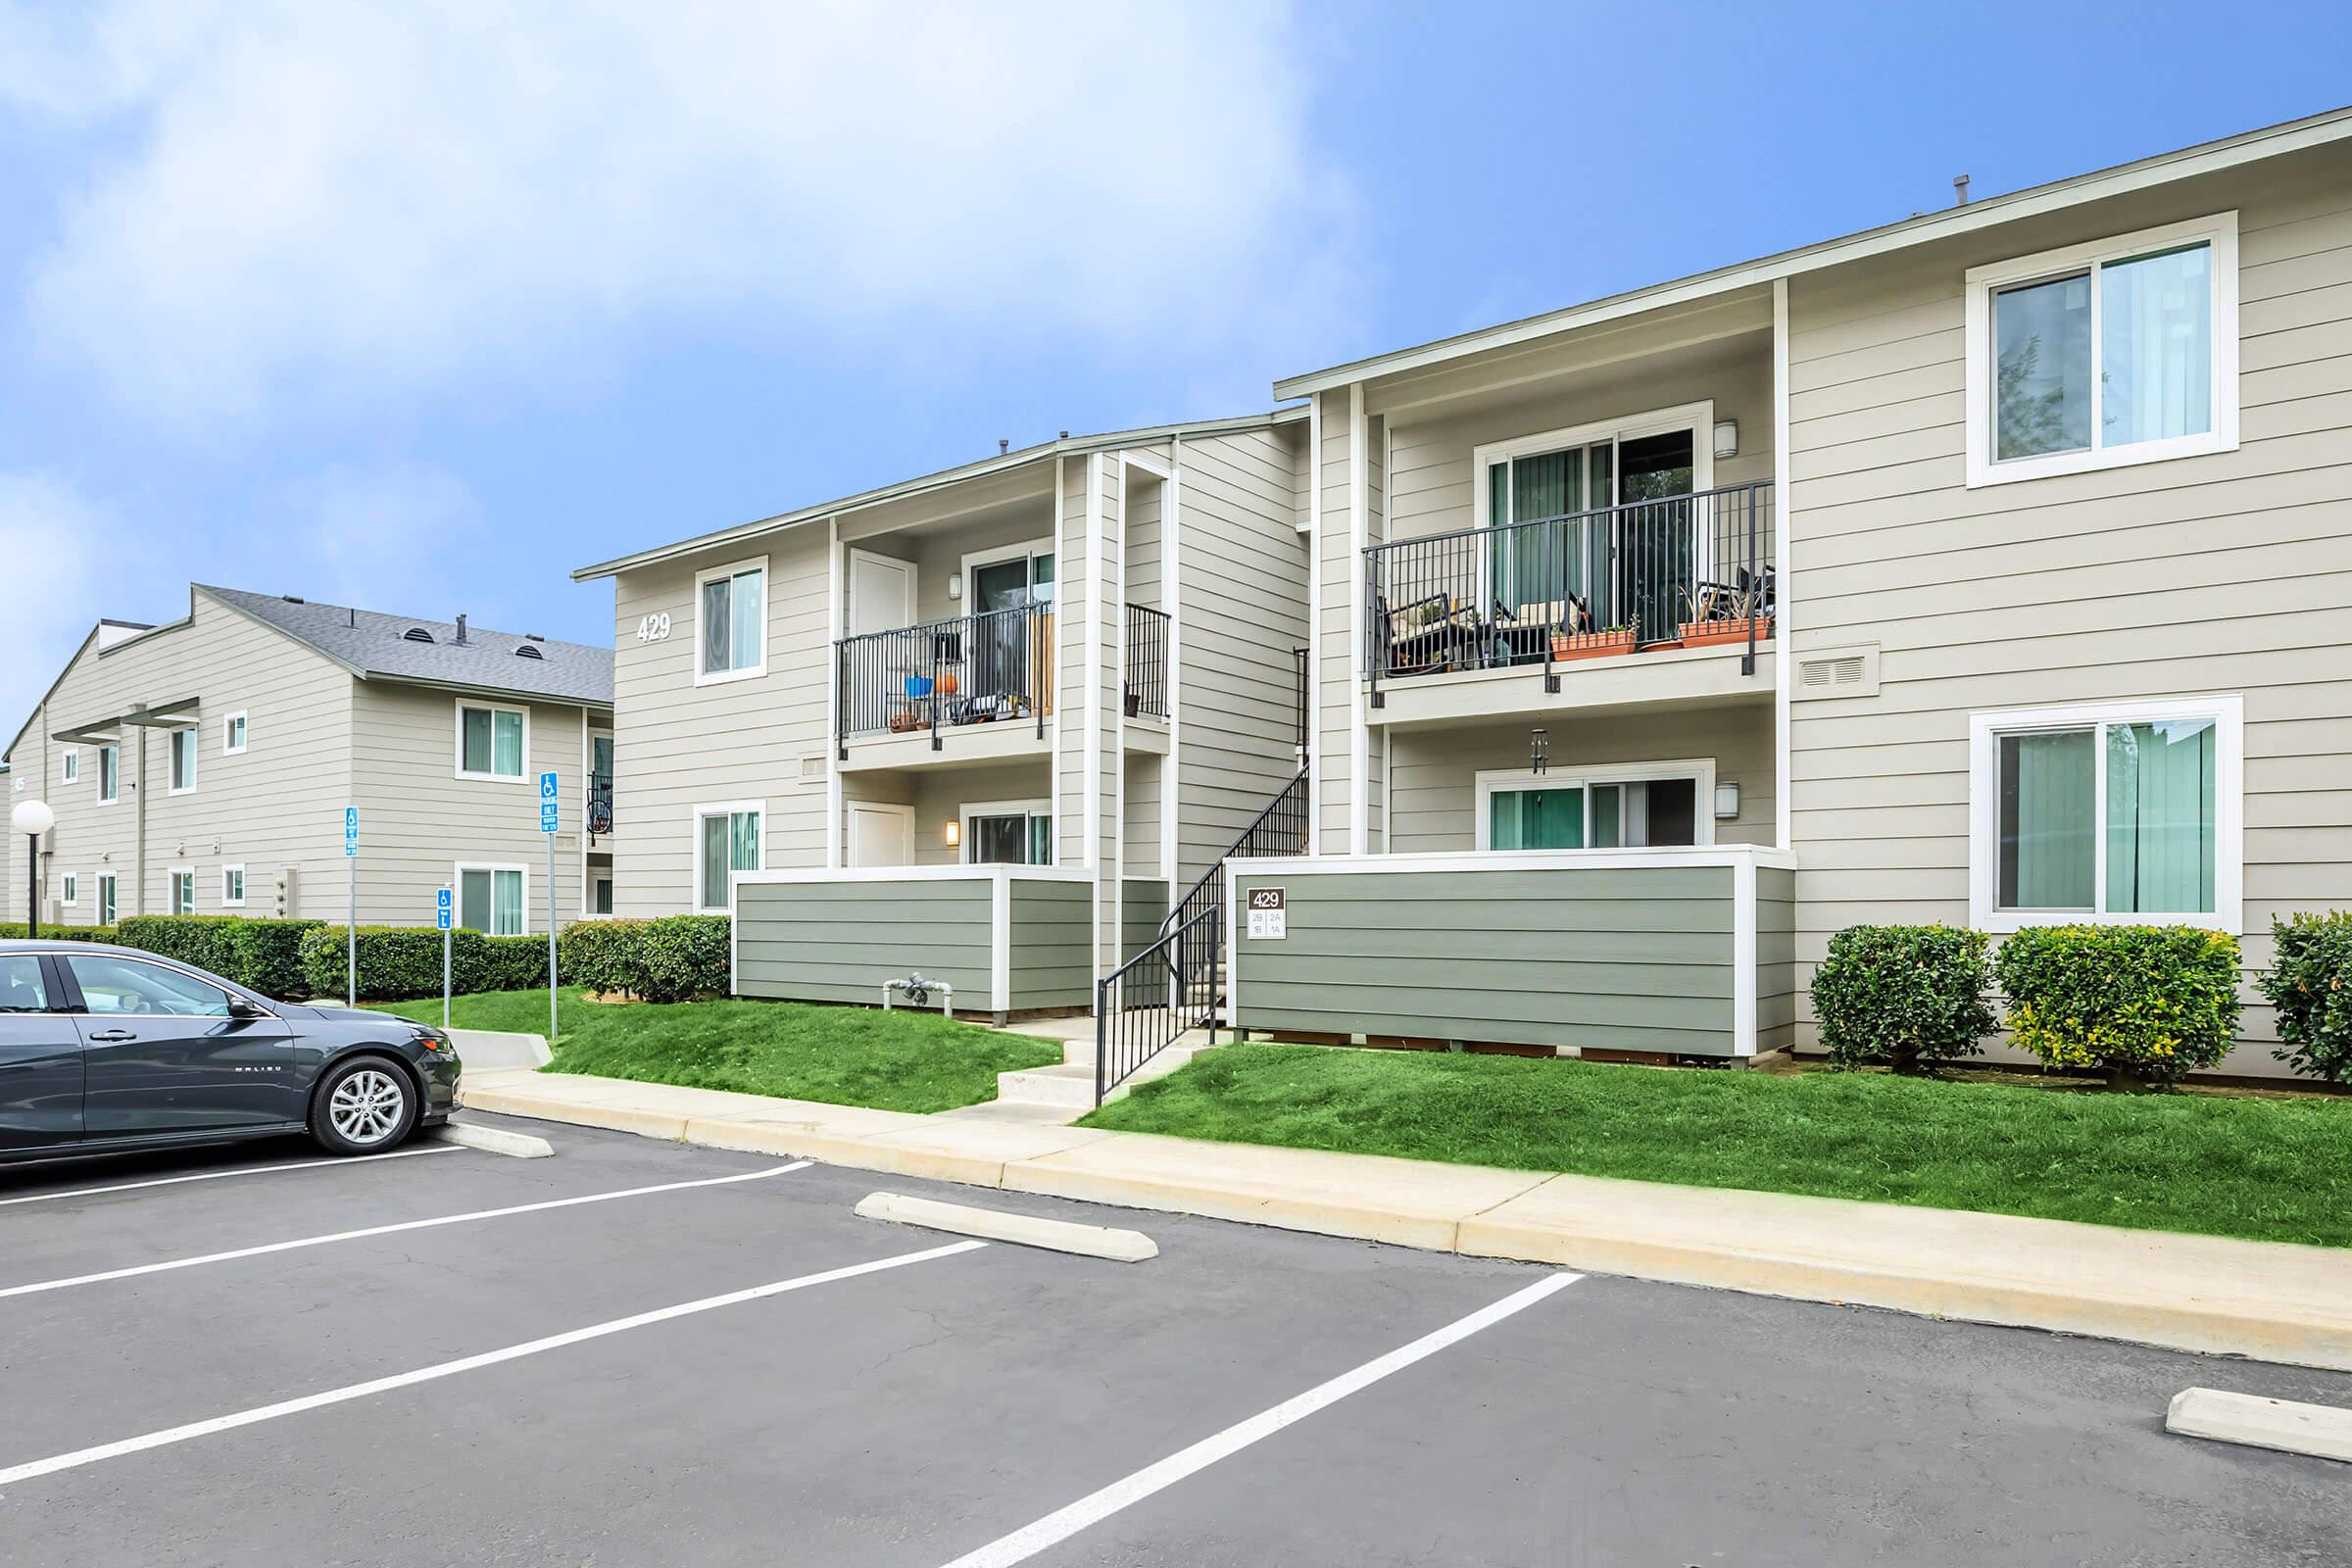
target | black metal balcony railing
[
  {"x": 600, "y": 805},
  {"x": 1644, "y": 574},
  {"x": 1146, "y": 686},
  {"x": 992, "y": 667}
]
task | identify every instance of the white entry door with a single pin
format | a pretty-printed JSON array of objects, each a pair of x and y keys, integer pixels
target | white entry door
[
  {"x": 881, "y": 835},
  {"x": 881, "y": 593}
]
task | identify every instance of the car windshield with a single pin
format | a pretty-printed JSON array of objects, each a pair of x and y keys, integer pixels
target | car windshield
[{"x": 127, "y": 986}]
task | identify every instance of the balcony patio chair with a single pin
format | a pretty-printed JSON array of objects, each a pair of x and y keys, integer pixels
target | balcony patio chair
[{"x": 1428, "y": 633}]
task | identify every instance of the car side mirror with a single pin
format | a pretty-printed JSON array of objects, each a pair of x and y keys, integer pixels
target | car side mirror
[{"x": 241, "y": 1007}]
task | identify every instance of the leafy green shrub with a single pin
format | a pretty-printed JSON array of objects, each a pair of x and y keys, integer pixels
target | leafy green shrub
[
  {"x": 2311, "y": 985},
  {"x": 1908, "y": 994},
  {"x": 53, "y": 932},
  {"x": 673, "y": 958},
  {"x": 264, "y": 955},
  {"x": 397, "y": 963},
  {"x": 605, "y": 955},
  {"x": 2149, "y": 1002},
  {"x": 686, "y": 956}
]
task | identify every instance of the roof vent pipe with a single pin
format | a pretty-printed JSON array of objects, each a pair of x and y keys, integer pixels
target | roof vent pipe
[
  {"x": 1959, "y": 190},
  {"x": 460, "y": 631}
]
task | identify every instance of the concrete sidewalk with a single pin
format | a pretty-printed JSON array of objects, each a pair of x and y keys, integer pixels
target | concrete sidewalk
[{"x": 2263, "y": 1300}]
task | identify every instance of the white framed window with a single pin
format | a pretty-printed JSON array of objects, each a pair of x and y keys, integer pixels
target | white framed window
[
  {"x": 1621, "y": 805},
  {"x": 730, "y": 637},
  {"x": 599, "y": 894},
  {"x": 494, "y": 900},
  {"x": 232, "y": 734},
  {"x": 232, "y": 887},
  {"x": 1008, "y": 833},
  {"x": 73, "y": 764},
  {"x": 109, "y": 774},
  {"x": 105, "y": 897},
  {"x": 726, "y": 840},
  {"x": 182, "y": 763},
  {"x": 2117, "y": 812},
  {"x": 2101, "y": 355},
  {"x": 68, "y": 889},
  {"x": 493, "y": 741},
  {"x": 183, "y": 890}
]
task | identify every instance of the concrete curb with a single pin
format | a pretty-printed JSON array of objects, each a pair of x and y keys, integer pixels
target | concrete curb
[
  {"x": 2320, "y": 1431},
  {"x": 491, "y": 1050},
  {"x": 1025, "y": 1230},
  {"x": 493, "y": 1140},
  {"x": 2267, "y": 1301}
]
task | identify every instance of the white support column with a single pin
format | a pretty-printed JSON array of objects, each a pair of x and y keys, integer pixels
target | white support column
[
  {"x": 1312, "y": 718},
  {"x": 1784, "y": 659},
  {"x": 1171, "y": 577},
  {"x": 1359, "y": 739},
  {"x": 1744, "y": 955},
  {"x": 1052, "y": 676},
  {"x": 835, "y": 621}
]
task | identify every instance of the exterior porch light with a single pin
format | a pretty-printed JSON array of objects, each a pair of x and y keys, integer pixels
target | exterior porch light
[
  {"x": 955, "y": 835},
  {"x": 32, "y": 818},
  {"x": 1727, "y": 438},
  {"x": 1726, "y": 799},
  {"x": 955, "y": 585}
]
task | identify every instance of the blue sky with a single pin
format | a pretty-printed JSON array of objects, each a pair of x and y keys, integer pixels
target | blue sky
[{"x": 424, "y": 306}]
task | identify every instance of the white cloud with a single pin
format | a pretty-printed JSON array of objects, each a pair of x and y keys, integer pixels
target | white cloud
[
  {"x": 306, "y": 200},
  {"x": 386, "y": 538},
  {"x": 54, "y": 542}
]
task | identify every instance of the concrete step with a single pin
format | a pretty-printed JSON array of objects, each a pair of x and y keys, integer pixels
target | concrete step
[{"x": 1070, "y": 1085}]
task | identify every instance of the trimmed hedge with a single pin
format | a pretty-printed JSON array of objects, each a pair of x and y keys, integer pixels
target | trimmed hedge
[
  {"x": 397, "y": 963},
  {"x": 674, "y": 958},
  {"x": 1911, "y": 995},
  {"x": 264, "y": 955},
  {"x": 2311, "y": 986},
  {"x": 2148, "y": 1001}
]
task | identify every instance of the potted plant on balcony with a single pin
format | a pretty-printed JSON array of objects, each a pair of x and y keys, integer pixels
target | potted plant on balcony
[
  {"x": 1566, "y": 645},
  {"x": 1721, "y": 613}
]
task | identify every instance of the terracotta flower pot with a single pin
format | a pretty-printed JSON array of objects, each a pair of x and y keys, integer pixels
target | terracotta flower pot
[
  {"x": 1591, "y": 644},
  {"x": 1715, "y": 633}
]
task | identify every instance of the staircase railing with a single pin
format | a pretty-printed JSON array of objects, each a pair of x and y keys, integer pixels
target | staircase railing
[
  {"x": 1279, "y": 829},
  {"x": 1158, "y": 997}
]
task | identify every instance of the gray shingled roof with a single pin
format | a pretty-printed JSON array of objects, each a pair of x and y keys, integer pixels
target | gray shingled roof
[{"x": 374, "y": 644}]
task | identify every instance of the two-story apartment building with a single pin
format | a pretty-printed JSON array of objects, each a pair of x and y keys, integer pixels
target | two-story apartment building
[
  {"x": 206, "y": 767},
  {"x": 988, "y": 724},
  {"x": 1990, "y": 567}
]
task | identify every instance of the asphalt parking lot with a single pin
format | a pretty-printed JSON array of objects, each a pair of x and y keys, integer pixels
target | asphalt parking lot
[{"x": 431, "y": 1394}]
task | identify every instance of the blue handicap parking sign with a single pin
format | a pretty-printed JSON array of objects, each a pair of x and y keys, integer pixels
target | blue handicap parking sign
[
  {"x": 441, "y": 918},
  {"x": 547, "y": 786}
]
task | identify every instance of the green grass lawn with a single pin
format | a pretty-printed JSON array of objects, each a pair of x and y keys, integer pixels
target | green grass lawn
[
  {"x": 899, "y": 1060},
  {"x": 2265, "y": 1169}
]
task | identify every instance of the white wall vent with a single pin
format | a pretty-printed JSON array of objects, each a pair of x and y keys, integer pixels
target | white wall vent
[
  {"x": 1839, "y": 671},
  {"x": 813, "y": 768}
]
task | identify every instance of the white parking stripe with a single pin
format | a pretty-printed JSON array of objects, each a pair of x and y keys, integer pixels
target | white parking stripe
[
  {"x": 1055, "y": 1527},
  {"x": 471, "y": 1363},
  {"x": 39, "y": 1286},
  {"x": 218, "y": 1175}
]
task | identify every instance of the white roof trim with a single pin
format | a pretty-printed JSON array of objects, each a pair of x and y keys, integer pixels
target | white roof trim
[{"x": 2295, "y": 135}]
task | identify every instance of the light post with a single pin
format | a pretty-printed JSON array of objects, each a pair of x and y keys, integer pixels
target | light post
[{"x": 32, "y": 818}]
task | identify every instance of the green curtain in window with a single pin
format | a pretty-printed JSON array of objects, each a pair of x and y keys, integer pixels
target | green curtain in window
[
  {"x": 473, "y": 900},
  {"x": 716, "y": 859},
  {"x": 1040, "y": 841},
  {"x": 743, "y": 842},
  {"x": 506, "y": 903},
  {"x": 2160, "y": 817},
  {"x": 506, "y": 751},
  {"x": 1538, "y": 819},
  {"x": 2048, "y": 848},
  {"x": 1533, "y": 565}
]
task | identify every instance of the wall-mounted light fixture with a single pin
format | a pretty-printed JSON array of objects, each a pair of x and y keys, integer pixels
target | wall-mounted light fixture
[
  {"x": 1727, "y": 438},
  {"x": 1726, "y": 799},
  {"x": 955, "y": 835},
  {"x": 955, "y": 585}
]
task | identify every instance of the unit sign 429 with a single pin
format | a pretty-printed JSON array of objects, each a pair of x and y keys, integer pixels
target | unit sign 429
[{"x": 654, "y": 628}]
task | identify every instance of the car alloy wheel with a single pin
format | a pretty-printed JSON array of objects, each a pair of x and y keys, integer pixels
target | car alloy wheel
[{"x": 367, "y": 1107}]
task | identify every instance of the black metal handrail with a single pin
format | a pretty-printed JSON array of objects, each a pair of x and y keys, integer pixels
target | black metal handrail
[
  {"x": 992, "y": 667},
  {"x": 1643, "y": 574},
  {"x": 1147, "y": 688},
  {"x": 600, "y": 805},
  {"x": 1156, "y": 998},
  {"x": 1279, "y": 829}
]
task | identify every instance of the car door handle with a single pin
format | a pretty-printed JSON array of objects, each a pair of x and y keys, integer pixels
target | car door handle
[{"x": 110, "y": 1036}]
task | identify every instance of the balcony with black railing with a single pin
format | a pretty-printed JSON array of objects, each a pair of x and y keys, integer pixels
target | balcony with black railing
[
  {"x": 1679, "y": 571},
  {"x": 1147, "y": 662},
  {"x": 994, "y": 667}
]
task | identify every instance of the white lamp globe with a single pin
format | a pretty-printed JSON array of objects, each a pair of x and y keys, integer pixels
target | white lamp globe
[{"x": 32, "y": 818}]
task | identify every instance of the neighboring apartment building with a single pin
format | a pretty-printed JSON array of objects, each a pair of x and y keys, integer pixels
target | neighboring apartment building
[
  {"x": 986, "y": 724},
  {"x": 204, "y": 767},
  {"x": 1991, "y": 567}
]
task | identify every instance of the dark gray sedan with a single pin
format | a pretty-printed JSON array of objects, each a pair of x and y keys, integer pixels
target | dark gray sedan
[{"x": 106, "y": 1050}]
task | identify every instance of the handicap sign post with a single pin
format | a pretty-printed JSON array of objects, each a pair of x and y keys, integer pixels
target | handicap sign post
[
  {"x": 551, "y": 821},
  {"x": 351, "y": 935},
  {"x": 441, "y": 917}
]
